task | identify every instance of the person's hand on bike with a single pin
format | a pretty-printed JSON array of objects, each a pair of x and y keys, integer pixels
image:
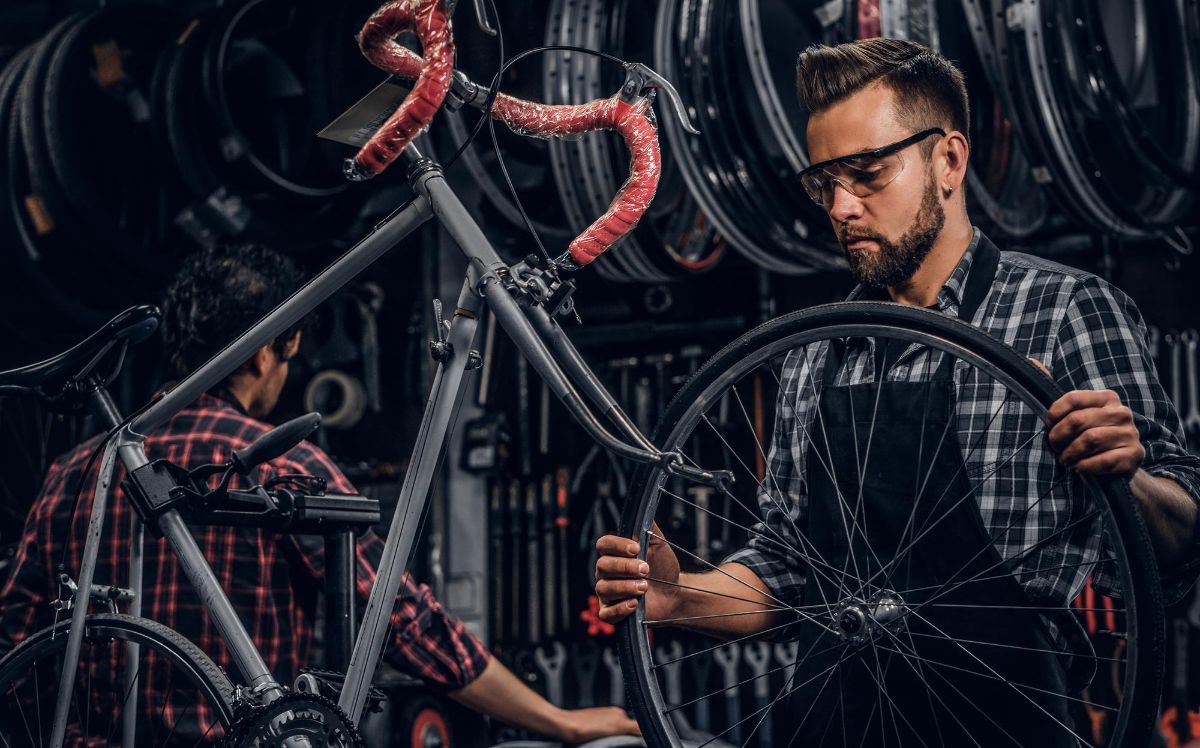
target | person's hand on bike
[
  {"x": 582, "y": 725},
  {"x": 621, "y": 578}
]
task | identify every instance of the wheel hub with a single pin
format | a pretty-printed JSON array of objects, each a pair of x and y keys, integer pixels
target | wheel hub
[{"x": 858, "y": 621}]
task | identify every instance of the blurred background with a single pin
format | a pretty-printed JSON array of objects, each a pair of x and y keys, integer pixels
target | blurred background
[{"x": 132, "y": 134}]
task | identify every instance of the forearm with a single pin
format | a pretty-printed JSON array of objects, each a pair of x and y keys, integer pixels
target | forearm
[
  {"x": 500, "y": 694},
  {"x": 732, "y": 601},
  {"x": 1170, "y": 514}
]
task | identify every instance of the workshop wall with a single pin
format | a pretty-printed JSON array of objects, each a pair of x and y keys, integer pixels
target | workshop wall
[{"x": 133, "y": 134}]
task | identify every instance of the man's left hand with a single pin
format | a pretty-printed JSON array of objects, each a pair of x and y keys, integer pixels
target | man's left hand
[
  {"x": 582, "y": 725},
  {"x": 1093, "y": 432}
]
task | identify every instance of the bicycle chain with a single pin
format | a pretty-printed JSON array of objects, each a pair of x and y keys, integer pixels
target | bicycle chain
[{"x": 317, "y": 718}]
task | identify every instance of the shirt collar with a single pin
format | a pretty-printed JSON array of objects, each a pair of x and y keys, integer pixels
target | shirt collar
[{"x": 949, "y": 297}]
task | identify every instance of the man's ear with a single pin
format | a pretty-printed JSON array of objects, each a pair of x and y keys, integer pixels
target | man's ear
[
  {"x": 955, "y": 151},
  {"x": 260, "y": 361}
]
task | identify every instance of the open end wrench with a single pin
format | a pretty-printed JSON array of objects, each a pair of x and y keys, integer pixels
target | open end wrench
[
  {"x": 758, "y": 658},
  {"x": 1175, "y": 348},
  {"x": 786, "y": 654},
  {"x": 616, "y": 681},
  {"x": 552, "y": 667},
  {"x": 674, "y": 685},
  {"x": 728, "y": 657},
  {"x": 586, "y": 660},
  {"x": 700, "y": 667},
  {"x": 1191, "y": 341}
]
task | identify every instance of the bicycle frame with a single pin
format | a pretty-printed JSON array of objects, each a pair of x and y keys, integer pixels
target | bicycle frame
[{"x": 535, "y": 333}]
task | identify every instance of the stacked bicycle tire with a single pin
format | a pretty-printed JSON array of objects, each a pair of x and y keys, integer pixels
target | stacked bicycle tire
[{"x": 133, "y": 135}]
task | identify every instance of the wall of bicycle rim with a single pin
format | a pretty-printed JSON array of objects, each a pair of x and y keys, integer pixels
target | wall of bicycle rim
[{"x": 131, "y": 135}]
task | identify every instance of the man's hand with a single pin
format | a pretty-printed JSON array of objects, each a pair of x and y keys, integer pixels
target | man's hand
[
  {"x": 1093, "y": 432},
  {"x": 582, "y": 725},
  {"x": 621, "y": 578}
]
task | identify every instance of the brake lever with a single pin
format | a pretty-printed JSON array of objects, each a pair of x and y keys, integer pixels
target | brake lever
[
  {"x": 640, "y": 78},
  {"x": 480, "y": 15}
]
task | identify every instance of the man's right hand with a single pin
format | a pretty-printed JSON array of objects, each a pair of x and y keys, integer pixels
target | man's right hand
[{"x": 621, "y": 578}]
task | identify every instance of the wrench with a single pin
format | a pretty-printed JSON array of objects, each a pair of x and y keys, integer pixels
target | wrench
[
  {"x": 1191, "y": 339},
  {"x": 369, "y": 300},
  {"x": 552, "y": 667},
  {"x": 1153, "y": 341},
  {"x": 1193, "y": 614},
  {"x": 586, "y": 660},
  {"x": 758, "y": 657},
  {"x": 701, "y": 496},
  {"x": 1176, "y": 366},
  {"x": 700, "y": 667},
  {"x": 786, "y": 655},
  {"x": 616, "y": 682},
  {"x": 674, "y": 678},
  {"x": 727, "y": 657}
]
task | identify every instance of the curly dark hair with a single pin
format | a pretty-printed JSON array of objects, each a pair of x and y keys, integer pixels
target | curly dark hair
[{"x": 217, "y": 294}]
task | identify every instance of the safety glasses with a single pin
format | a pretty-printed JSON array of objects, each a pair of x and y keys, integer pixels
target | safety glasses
[{"x": 860, "y": 174}]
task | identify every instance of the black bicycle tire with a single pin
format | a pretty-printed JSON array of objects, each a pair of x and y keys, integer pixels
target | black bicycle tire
[
  {"x": 64, "y": 310},
  {"x": 1149, "y": 626},
  {"x": 200, "y": 669},
  {"x": 142, "y": 254}
]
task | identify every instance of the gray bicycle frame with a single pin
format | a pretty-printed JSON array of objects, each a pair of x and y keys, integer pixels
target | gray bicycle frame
[{"x": 536, "y": 334}]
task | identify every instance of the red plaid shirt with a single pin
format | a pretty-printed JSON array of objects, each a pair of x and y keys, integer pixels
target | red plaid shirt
[{"x": 271, "y": 579}]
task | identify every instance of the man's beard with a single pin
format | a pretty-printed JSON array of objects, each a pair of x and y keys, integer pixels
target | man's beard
[{"x": 894, "y": 263}]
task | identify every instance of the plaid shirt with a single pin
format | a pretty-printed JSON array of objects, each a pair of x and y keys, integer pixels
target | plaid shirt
[
  {"x": 271, "y": 579},
  {"x": 1088, "y": 333}
]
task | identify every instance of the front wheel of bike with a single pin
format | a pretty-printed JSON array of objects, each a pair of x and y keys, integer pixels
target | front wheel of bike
[
  {"x": 182, "y": 697},
  {"x": 856, "y": 653}
]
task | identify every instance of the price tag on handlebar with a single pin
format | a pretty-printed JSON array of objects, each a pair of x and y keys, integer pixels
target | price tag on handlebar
[{"x": 356, "y": 125}]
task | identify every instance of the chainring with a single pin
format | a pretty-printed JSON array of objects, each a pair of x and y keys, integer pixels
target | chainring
[{"x": 296, "y": 719}]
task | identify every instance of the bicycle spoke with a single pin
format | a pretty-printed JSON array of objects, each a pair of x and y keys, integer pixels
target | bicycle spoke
[
  {"x": 930, "y": 695},
  {"x": 755, "y": 635},
  {"x": 125, "y": 701},
  {"x": 658, "y": 621},
  {"x": 882, "y": 684},
  {"x": 929, "y": 526},
  {"x": 1015, "y": 646},
  {"x": 777, "y": 502},
  {"x": 761, "y": 708},
  {"x": 944, "y": 590},
  {"x": 861, "y": 464},
  {"x": 1013, "y": 686},
  {"x": 910, "y": 658},
  {"x": 747, "y": 585},
  {"x": 1059, "y": 567},
  {"x": 751, "y": 531},
  {"x": 710, "y": 592},
  {"x": 800, "y": 537}
]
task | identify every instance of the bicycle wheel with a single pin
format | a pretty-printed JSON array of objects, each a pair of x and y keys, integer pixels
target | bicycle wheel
[
  {"x": 183, "y": 698},
  {"x": 889, "y": 643}
]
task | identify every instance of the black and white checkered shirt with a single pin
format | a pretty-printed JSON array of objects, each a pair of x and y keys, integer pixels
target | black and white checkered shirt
[{"x": 1087, "y": 332}]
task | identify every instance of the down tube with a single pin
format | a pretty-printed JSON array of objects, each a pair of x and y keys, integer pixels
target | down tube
[{"x": 449, "y": 382}]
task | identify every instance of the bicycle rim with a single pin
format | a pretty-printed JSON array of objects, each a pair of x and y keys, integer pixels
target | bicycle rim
[
  {"x": 182, "y": 698},
  {"x": 721, "y": 420}
]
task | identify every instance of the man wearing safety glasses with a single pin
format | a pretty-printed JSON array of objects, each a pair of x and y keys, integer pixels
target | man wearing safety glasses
[{"x": 889, "y": 150}]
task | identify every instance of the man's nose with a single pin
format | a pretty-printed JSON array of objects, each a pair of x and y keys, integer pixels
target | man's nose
[{"x": 845, "y": 206}]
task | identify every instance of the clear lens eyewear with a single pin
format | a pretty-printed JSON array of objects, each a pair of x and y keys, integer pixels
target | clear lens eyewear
[{"x": 860, "y": 174}]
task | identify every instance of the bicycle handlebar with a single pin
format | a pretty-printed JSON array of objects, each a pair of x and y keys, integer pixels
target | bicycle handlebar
[{"x": 627, "y": 113}]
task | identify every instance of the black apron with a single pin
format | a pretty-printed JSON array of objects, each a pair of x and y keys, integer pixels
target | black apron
[{"x": 938, "y": 691}]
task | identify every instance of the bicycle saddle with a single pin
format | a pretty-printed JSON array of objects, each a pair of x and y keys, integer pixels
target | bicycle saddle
[{"x": 51, "y": 376}]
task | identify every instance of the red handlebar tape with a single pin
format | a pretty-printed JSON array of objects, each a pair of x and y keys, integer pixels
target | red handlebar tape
[{"x": 433, "y": 74}]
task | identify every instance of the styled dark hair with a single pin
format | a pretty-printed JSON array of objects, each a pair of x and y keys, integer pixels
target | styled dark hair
[
  {"x": 929, "y": 89},
  {"x": 217, "y": 294}
]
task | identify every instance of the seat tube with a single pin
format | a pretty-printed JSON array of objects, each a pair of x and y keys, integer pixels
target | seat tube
[{"x": 449, "y": 383}]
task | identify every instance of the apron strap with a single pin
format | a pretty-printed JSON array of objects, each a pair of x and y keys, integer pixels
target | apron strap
[{"x": 979, "y": 282}]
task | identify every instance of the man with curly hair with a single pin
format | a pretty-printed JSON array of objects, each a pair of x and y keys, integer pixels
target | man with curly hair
[{"x": 270, "y": 578}]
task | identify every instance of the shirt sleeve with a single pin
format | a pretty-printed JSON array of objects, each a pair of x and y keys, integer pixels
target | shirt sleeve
[
  {"x": 26, "y": 592},
  {"x": 1102, "y": 344},
  {"x": 427, "y": 641},
  {"x": 773, "y": 548}
]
